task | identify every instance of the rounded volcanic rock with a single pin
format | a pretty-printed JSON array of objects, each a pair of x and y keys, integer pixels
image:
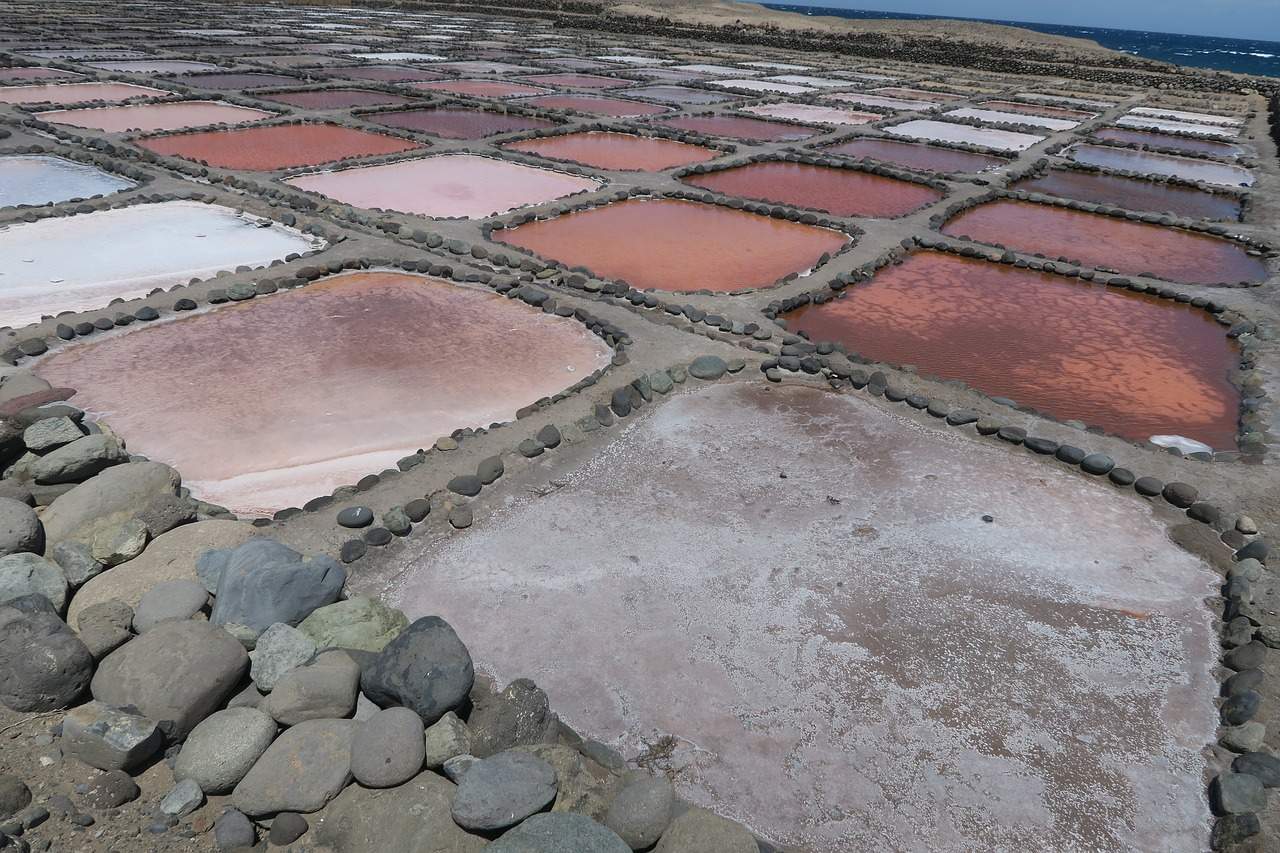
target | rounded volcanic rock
[
  {"x": 20, "y": 528},
  {"x": 701, "y": 831},
  {"x": 556, "y": 832},
  {"x": 708, "y": 367},
  {"x": 426, "y": 668},
  {"x": 24, "y": 574},
  {"x": 361, "y": 623},
  {"x": 263, "y": 582},
  {"x": 641, "y": 811},
  {"x": 503, "y": 790},
  {"x": 467, "y": 485},
  {"x": 54, "y": 678},
  {"x": 388, "y": 748},
  {"x": 176, "y": 599},
  {"x": 355, "y": 517},
  {"x": 223, "y": 747},
  {"x": 301, "y": 771}
]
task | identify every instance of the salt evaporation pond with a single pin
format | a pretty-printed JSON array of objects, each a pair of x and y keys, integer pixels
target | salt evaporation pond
[
  {"x": 45, "y": 179},
  {"x": 334, "y": 99},
  {"x": 481, "y": 88},
  {"x": 173, "y": 115},
  {"x": 678, "y": 95},
  {"x": 1036, "y": 97},
  {"x": 738, "y": 127},
  {"x": 1038, "y": 110},
  {"x": 881, "y": 101},
  {"x": 915, "y": 155},
  {"x": 35, "y": 72},
  {"x": 577, "y": 81},
  {"x": 466, "y": 185},
  {"x": 597, "y": 105},
  {"x": 812, "y": 114},
  {"x": 153, "y": 66},
  {"x": 459, "y": 122},
  {"x": 1150, "y": 123},
  {"x": 619, "y": 151},
  {"x": 1181, "y": 115},
  {"x": 1133, "y": 364},
  {"x": 842, "y": 192},
  {"x": 1152, "y": 139},
  {"x": 1097, "y": 240},
  {"x": 1133, "y": 194},
  {"x": 278, "y": 147},
  {"x": 946, "y": 131},
  {"x": 365, "y": 384},
  {"x": 75, "y": 263},
  {"x": 672, "y": 244},
  {"x": 849, "y": 659},
  {"x": 917, "y": 94},
  {"x": 237, "y": 80},
  {"x": 762, "y": 86},
  {"x": 1151, "y": 163},
  {"x": 387, "y": 73},
  {"x": 74, "y": 93},
  {"x": 1000, "y": 117}
]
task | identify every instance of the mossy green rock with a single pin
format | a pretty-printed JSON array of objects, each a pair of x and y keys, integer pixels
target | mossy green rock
[{"x": 357, "y": 623}]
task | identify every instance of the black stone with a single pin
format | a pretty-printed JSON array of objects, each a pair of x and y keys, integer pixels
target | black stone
[
  {"x": 960, "y": 417},
  {"x": 1249, "y": 656},
  {"x": 377, "y": 536},
  {"x": 287, "y": 828},
  {"x": 549, "y": 436},
  {"x": 620, "y": 403},
  {"x": 1070, "y": 454},
  {"x": 184, "y": 304},
  {"x": 1011, "y": 434},
  {"x": 352, "y": 550},
  {"x": 1097, "y": 463},
  {"x": 417, "y": 509},
  {"x": 1240, "y": 708},
  {"x": 468, "y": 485},
  {"x": 1043, "y": 446},
  {"x": 1261, "y": 764},
  {"x": 1256, "y": 550},
  {"x": 1148, "y": 486},
  {"x": 1180, "y": 495},
  {"x": 1204, "y": 512},
  {"x": 1242, "y": 682},
  {"x": 425, "y": 668},
  {"x": 355, "y": 517},
  {"x": 1121, "y": 476}
]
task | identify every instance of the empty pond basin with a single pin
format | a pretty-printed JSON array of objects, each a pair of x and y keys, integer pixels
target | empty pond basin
[
  {"x": 916, "y": 94},
  {"x": 1133, "y": 194},
  {"x": 620, "y": 151},
  {"x": 459, "y": 122},
  {"x": 1152, "y": 123},
  {"x": 465, "y": 185},
  {"x": 596, "y": 105},
  {"x": 173, "y": 115},
  {"x": 236, "y": 80},
  {"x": 843, "y": 192},
  {"x": 279, "y": 147},
  {"x": 1153, "y": 139},
  {"x": 1038, "y": 110},
  {"x": 336, "y": 99},
  {"x": 74, "y": 93},
  {"x": 1088, "y": 103},
  {"x": 812, "y": 114},
  {"x": 45, "y": 179},
  {"x": 1151, "y": 163},
  {"x": 387, "y": 73},
  {"x": 1001, "y": 117},
  {"x": 672, "y": 244},
  {"x": 481, "y": 88},
  {"x": 1133, "y": 364},
  {"x": 946, "y": 131},
  {"x": 914, "y": 155},
  {"x": 1182, "y": 115},
  {"x": 738, "y": 127},
  {"x": 846, "y": 672},
  {"x": 1104, "y": 241},
  {"x": 679, "y": 95},
  {"x": 74, "y": 263},
  {"x": 364, "y": 387},
  {"x": 577, "y": 81},
  {"x": 746, "y": 85},
  {"x": 881, "y": 101},
  {"x": 153, "y": 66}
]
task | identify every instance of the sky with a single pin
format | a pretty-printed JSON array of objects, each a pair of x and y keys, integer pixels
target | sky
[{"x": 1249, "y": 19}]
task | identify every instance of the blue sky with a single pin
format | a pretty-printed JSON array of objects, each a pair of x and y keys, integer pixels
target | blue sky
[{"x": 1253, "y": 19}]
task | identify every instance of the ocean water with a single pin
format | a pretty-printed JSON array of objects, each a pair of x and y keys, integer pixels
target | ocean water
[{"x": 1243, "y": 56}]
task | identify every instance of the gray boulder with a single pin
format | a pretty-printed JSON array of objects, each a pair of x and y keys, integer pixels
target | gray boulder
[
  {"x": 112, "y": 497},
  {"x": 641, "y": 811},
  {"x": 182, "y": 799},
  {"x": 302, "y": 770},
  {"x": 223, "y": 747},
  {"x": 503, "y": 790},
  {"x": 177, "y": 674},
  {"x": 233, "y": 831},
  {"x": 444, "y": 739},
  {"x": 388, "y": 748},
  {"x": 324, "y": 689},
  {"x": 77, "y": 562},
  {"x": 455, "y": 768},
  {"x": 280, "y": 650},
  {"x": 105, "y": 627},
  {"x": 54, "y": 678},
  {"x": 357, "y": 623},
  {"x": 14, "y": 795},
  {"x": 426, "y": 668},
  {"x": 171, "y": 600},
  {"x": 23, "y": 574},
  {"x": 558, "y": 832},
  {"x": 20, "y": 528},
  {"x": 119, "y": 543},
  {"x": 78, "y": 461},
  {"x": 263, "y": 582},
  {"x": 109, "y": 738},
  {"x": 110, "y": 790},
  {"x": 583, "y": 786},
  {"x": 48, "y": 433},
  {"x": 409, "y": 818},
  {"x": 518, "y": 715},
  {"x": 701, "y": 831}
]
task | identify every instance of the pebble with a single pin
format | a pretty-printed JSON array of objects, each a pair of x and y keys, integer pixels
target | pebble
[
  {"x": 355, "y": 517},
  {"x": 287, "y": 828}
]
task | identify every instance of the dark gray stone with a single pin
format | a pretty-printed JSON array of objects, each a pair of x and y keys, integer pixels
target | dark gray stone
[
  {"x": 489, "y": 470},
  {"x": 1263, "y": 765},
  {"x": 518, "y": 715},
  {"x": 503, "y": 790},
  {"x": 302, "y": 770},
  {"x": 287, "y": 828},
  {"x": 104, "y": 627},
  {"x": 708, "y": 367},
  {"x": 355, "y": 517},
  {"x": 14, "y": 795},
  {"x": 223, "y": 747},
  {"x": 425, "y": 668},
  {"x": 468, "y": 485},
  {"x": 641, "y": 811},
  {"x": 1180, "y": 495},
  {"x": 20, "y": 528},
  {"x": 110, "y": 790},
  {"x": 1237, "y": 793},
  {"x": 263, "y": 582},
  {"x": 1097, "y": 464},
  {"x": 109, "y": 738},
  {"x": 55, "y": 678},
  {"x": 176, "y": 599},
  {"x": 233, "y": 831},
  {"x": 388, "y": 748},
  {"x": 559, "y": 832}
]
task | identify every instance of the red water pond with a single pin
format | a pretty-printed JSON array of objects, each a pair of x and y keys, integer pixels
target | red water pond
[
  {"x": 736, "y": 127},
  {"x": 1167, "y": 140},
  {"x": 72, "y": 93},
  {"x": 362, "y": 388},
  {"x": 1104, "y": 241},
  {"x": 914, "y": 155},
  {"x": 459, "y": 122},
  {"x": 278, "y": 147},
  {"x": 233, "y": 80},
  {"x": 1132, "y": 364},
  {"x": 333, "y": 99},
  {"x": 622, "y": 151},
  {"x": 481, "y": 88},
  {"x": 1132, "y": 194},
  {"x": 577, "y": 81},
  {"x": 671, "y": 244},
  {"x": 387, "y": 73},
  {"x": 843, "y": 192},
  {"x": 596, "y": 105}
]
